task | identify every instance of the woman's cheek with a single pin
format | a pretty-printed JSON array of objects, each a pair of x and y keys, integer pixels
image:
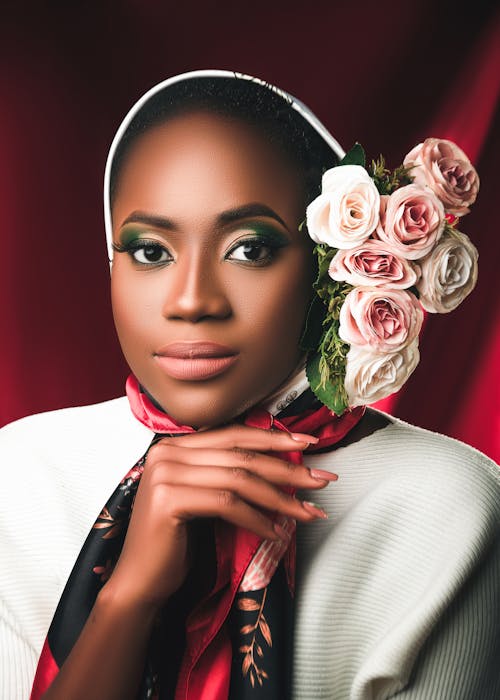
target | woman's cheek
[{"x": 132, "y": 314}]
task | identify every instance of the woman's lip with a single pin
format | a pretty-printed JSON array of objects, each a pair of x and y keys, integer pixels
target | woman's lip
[
  {"x": 190, "y": 350},
  {"x": 194, "y": 368}
]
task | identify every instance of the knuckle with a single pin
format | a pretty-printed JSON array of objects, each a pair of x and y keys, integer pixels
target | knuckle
[
  {"x": 244, "y": 456},
  {"x": 239, "y": 473},
  {"x": 162, "y": 472},
  {"x": 164, "y": 442},
  {"x": 157, "y": 450},
  {"x": 163, "y": 501},
  {"x": 226, "y": 499},
  {"x": 152, "y": 454}
]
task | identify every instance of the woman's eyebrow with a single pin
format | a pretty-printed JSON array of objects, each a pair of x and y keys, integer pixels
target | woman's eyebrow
[
  {"x": 142, "y": 217},
  {"x": 226, "y": 217},
  {"x": 249, "y": 210}
]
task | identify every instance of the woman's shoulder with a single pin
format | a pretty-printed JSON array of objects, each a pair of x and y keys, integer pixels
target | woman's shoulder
[
  {"x": 415, "y": 446},
  {"x": 95, "y": 442},
  {"x": 94, "y": 424},
  {"x": 395, "y": 461},
  {"x": 48, "y": 423},
  {"x": 397, "y": 440}
]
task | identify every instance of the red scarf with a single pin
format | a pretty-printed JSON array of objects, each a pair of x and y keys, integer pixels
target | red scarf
[{"x": 244, "y": 563}]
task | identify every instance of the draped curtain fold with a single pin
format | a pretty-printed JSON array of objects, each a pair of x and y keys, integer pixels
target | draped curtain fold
[{"x": 387, "y": 74}]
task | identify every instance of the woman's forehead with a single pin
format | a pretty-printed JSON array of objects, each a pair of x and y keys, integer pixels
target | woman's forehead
[
  {"x": 201, "y": 161},
  {"x": 201, "y": 129}
]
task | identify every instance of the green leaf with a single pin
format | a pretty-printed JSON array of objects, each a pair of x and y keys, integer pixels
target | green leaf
[
  {"x": 328, "y": 393},
  {"x": 313, "y": 328},
  {"x": 325, "y": 255},
  {"x": 356, "y": 156}
]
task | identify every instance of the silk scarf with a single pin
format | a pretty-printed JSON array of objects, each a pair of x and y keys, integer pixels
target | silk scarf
[{"x": 227, "y": 633}]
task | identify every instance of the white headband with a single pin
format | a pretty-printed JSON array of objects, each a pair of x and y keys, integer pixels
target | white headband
[{"x": 304, "y": 111}]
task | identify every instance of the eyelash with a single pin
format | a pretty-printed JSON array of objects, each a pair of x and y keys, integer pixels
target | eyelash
[
  {"x": 257, "y": 242},
  {"x": 141, "y": 244}
]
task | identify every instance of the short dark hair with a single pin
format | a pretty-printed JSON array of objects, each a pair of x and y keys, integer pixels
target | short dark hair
[{"x": 250, "y": 101}]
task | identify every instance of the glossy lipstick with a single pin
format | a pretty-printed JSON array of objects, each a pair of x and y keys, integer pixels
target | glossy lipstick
[{"x": 195, "y": 361}]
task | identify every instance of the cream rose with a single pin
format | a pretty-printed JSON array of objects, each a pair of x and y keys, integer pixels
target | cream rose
[
  {"x": 444, "y": 167},
  {"x": 380, "y": 320},
  {"x": 372, "y": 264},
  {"x": 371, "y": 377},
  {"x": 347, "y": 210},
  {"x": 449, "y": 273},
  {"x": 411, "y": 221}
]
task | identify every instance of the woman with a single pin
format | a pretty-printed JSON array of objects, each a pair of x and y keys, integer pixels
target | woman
[{"x": 189, "y": 592}]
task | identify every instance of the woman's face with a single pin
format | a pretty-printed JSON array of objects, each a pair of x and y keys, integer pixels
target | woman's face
[{"x": 212, "y": 279}]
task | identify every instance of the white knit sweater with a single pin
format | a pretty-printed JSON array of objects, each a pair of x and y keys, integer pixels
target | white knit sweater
[{"x": 398, "y": 592}]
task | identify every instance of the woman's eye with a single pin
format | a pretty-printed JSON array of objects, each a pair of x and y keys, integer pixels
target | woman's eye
[
  {"x": 150, "y": 253},
  {"x": 251, "y": 251},
  {"x": 144, "y": 252}
]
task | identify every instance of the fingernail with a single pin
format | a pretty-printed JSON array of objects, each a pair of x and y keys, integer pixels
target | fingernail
[
  {"x": 303, "y": 437},
  {"x": 314, "y": 509},
  {"x": 281, "y": 532},
  {"x": 322, "y": 474}
]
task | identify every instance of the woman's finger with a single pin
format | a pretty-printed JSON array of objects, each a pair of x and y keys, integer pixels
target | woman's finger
[
  {"x": 244, "y": 437},
  {"x": 184, "y": 503},
  {"x": 273, "y": 469},
  {"x": 248, "y": 486}
]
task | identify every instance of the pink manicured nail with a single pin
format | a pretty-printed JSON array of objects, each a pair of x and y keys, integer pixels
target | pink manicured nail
[
  {"x": 315, "y": 510},
  {"x": 281, "y": 532},
  {"x": 322, "y": 474},
  {"x": 302, "y": 437}
]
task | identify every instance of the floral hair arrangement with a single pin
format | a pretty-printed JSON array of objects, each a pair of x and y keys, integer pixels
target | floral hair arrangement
[{"x": 387, "y": 248}]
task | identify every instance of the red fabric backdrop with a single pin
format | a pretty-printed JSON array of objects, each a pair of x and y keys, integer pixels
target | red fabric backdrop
[{"x": 385, "y": 73}]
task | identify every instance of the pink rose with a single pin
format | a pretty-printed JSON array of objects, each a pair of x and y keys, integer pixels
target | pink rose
[
  {"x": 411, "y": 221},
  {"x": 346, "y": 211},
  {"x": 372, "y": 264},
  {"x": 449, "y": 273},
  {"x": 380, "y": 320},
  {"x": 444, "y": 167},
  {"x": 371, "y": 377}
]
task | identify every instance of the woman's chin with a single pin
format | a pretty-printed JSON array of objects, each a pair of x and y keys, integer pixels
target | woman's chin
[
  {"x": 204, "y": 414},
  {"x": 203, "y": 419},
  {"x": 217, "y": 401}
]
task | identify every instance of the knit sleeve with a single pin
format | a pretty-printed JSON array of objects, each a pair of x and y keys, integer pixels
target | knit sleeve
[
  {"x": 17, "y": 660},
  {"x": 400, "y": 591},
  {"x": 460, "y": 659}
]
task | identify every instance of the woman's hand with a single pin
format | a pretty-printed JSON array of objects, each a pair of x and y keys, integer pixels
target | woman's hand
[{"x": 220, "y": 473}]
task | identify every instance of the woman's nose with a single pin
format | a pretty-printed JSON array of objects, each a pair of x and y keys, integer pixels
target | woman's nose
[{"x": 195, "y": 290}]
